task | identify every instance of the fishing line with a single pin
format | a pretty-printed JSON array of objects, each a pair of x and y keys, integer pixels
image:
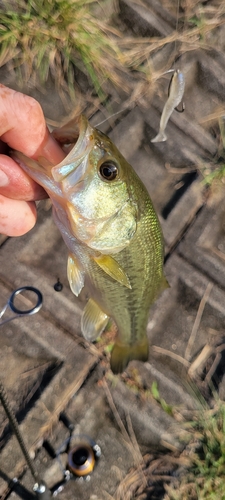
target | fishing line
[
  {"x": 172, "y": 70},
  {"x": 177, "y": 14},
  {"x": 111, "y": 116}
]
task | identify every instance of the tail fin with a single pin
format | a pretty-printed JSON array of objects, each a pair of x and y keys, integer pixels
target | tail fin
[
  {"x": 123, "y": 353},
  {"x": 160, "y": 137}
]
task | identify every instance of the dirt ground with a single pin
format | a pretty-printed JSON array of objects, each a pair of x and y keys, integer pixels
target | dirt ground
[{"x": 46, "y": 365}]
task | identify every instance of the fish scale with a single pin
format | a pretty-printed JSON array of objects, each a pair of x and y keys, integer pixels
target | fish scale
[
  {"x": 114, "y": 238},
  {"x": 114, "y": 299}
]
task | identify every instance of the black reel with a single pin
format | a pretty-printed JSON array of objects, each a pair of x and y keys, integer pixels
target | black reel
[{"x": 82, "y": 456}]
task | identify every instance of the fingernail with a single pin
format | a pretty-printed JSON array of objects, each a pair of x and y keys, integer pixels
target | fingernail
[{"x": 3, "y": 179}]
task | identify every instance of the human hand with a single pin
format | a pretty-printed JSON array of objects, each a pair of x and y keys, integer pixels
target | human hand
[{"x": 22, "y": 127}]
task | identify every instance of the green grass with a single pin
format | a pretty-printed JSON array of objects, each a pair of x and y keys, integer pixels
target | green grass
[
  {"x": 201, "y": 465},
  {"x": 156, "y": 395},
  {"x": 217, "y": 173},
  {"x": 53, "y": 36},
  {"x": 204, "y": 479}
]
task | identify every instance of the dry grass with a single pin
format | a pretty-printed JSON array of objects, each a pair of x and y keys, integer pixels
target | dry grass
[
  {"x": 203, "y": 479},
  {"x": 57, "y": 38},
  {"x": 217, "y": 172},
  {"x": 197, "y": 473},
  {"x": 43, "y": 37},
  {"x": 60, "y": 37}
]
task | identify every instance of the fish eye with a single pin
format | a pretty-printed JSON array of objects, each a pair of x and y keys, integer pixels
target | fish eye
[{"x": 109, "y": 170}]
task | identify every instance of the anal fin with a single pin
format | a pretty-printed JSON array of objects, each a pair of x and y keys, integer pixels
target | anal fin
[
  {"x": 111, "y": 267},
  {"x": 93, "y": 321}
]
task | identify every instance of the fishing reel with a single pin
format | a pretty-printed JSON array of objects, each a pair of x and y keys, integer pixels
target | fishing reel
[{"x": 82, "y": 455}]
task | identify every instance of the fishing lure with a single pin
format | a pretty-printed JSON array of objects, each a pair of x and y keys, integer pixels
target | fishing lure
[{"x": 176, "y": 92}]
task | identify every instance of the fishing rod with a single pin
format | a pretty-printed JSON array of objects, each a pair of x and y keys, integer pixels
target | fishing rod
[
  {"x": 40, "y": 489},
  {"x": 83, "y": 452}
]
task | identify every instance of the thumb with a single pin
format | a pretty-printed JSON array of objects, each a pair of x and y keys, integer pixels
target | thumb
[{"x": 23, "y": 126}]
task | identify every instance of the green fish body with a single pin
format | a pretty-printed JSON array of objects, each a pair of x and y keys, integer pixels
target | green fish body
[{"x": 113, "y": 235}]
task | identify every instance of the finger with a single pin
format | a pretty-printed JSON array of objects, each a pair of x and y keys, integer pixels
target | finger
[
  {"x": 15, "y": 183},
  {"x": 23, "y": 126},
  {"x": 16, "y": 217}
]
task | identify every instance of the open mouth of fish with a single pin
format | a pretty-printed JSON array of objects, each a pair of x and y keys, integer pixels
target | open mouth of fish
[{"x": 78, "y": 154}]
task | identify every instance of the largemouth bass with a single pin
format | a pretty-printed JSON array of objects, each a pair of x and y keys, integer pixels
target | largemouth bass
[{"x": 114, "y": 238}]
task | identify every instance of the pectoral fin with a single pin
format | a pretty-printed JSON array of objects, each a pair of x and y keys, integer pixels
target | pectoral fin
[
  {"x": 111, "y": 267},
  {"x": 93, "y": 321},
  {"x": 75, "y": 275}
]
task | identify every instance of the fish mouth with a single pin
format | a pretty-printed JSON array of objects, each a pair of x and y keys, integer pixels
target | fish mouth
[{"x": 81, "y": 149}]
